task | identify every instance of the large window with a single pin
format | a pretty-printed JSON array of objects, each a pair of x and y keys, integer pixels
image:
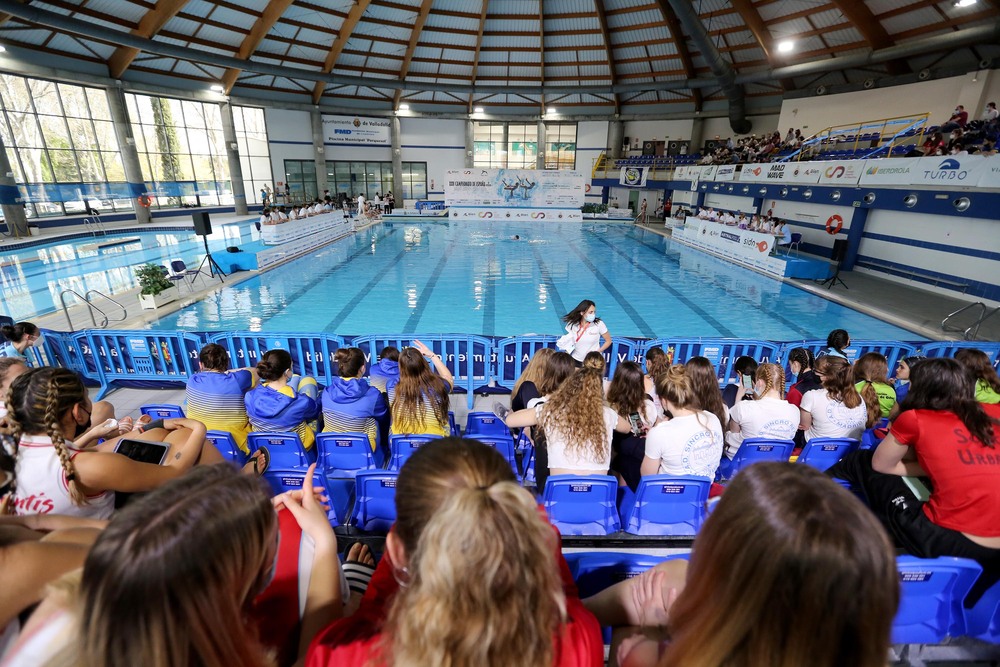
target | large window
[
  {"x": 181, "y": 149},
  {"x": 62, "y": 147},
  {"x": 560, "y": 146},
  {"x": 370, "y": 178},
  {"x": 301, "y": 178},
  {"x": 255, "y": 158},
  {"x": 522, "y": 146},
  {"x": 489, "y": 148}
]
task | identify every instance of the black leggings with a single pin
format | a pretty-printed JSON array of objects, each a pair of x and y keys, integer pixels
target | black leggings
[{"x": 903, "y": 516}]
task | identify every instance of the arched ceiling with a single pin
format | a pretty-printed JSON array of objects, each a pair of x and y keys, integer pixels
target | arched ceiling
[{"x": 513, "y": 56}]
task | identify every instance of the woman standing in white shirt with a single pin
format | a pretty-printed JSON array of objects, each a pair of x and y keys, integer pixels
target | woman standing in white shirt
[
  {"x": 837, "y": 409},
  {"x": 691, "y": 442},
  {"x": 769, "y": 415},
  {"x": 586, "y": 331}
]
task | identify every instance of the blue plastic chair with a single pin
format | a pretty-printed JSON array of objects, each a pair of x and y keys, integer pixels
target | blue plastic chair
[
  {"x": 528, "y": 463},
  {"x": 582, "y": 504},
  {"x": 933, "y": 592},
  {"x": 452, "y": 425},
  {"x": 163, "y": 411},
  {"x": 822, "y": 453},
  {"x": 401, "y": 447},
  {"x": 984, "y": 618},
  {"x": 753, "y": 450},
  {"x": 375, "y": 500},
  {"x": 284, "y": 448},
  {"x": 285, "y": 479},
  {"x": 485, "y": 423},
  {"x": 667, "y": 505},
  {"x": 346, "y": 454},
  {"x": 871, "y": 440},
  {"x": 503, "y": 444},
  {"x": 226, "y": 444}
]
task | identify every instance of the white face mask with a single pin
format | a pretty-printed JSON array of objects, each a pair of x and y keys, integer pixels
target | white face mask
[
  {"x": 38, "y": 342},
  {"x": 590, "y": 318}
]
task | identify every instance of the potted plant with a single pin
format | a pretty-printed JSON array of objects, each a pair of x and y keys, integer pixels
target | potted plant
[{"x": 155, "y": 288}]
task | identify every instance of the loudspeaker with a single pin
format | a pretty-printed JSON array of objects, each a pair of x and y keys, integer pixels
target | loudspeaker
[
  {"x": 625, "y": 141},
  {"x": 649, "y": 148},
  {"x": 839, "y": 251},
  {"x": 202, "y": 223},
  {"x": 712, "y": 144}
]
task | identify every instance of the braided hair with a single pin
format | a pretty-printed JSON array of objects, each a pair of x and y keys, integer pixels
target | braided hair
[
  {"x": 773, "y": 377},
  {"x": 36, "y": 402}
]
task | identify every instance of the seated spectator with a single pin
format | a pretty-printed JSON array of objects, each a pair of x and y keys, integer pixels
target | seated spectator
[
  {"x": 781, "y": 532},
  {"x": 837, "y": 343},
  {"x": 983, "y": 374},
  {"x": 871, "y": 375},
  {"x": 742, "y": 388},
  {"x": 215, "y": 394},
  {"x": 509, "y": 599},
  {"x": 350, "y": 404},
  {"x": 902, "y": 385},
  {"x": 283, "y": 401},
  {"x": 958, "y": 119},
  {"x": 956, "y": 142},
  {"x": 385, "y": 374},
  {"x": 327, "y": 206},
  {"x": 836, "y": 410},
  {"x": 265, "y": 218},
  {"x": 19, "y": 337},
  {"x": 420, "y": 402},
  {"x": 10, "y": 368},
  {"x": 705, "y": 385},
  {"x": 944, "y": 434},
  {"x": 657, "y": 362},
  {"x": 282, "y": 216},
  {"x": 627, "y": 397},
  {"x": 690, "y": 443},
  {"x": 990, "y": 112},
  {"x": 578, "y": 425},
  {"x": 769, "y": 415},
  {"x": 526, "y": 386},
  {"x": 47, "y": 409},
  {"x": 989, "y": 148},
  {"x": 933, "y": 144},
  {"x": 800, "y": 361}
]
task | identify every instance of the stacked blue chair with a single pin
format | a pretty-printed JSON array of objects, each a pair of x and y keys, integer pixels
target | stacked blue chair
[
  {"x": 282, "y": 480},
  {"x": 346, "y": 454},
  {"x": 822, "y": 453},
  {"x": 285, "y": 449},
  {"x": 933, "y": 592},
  {"x": 582, "y": 504},
  {"x": 871, "y": 437},
  {"x": 375, "y": 500},
  {"x": 163, "y": 411},
  {"x": 503, "y": 444},
  {"x": 485, "y": 423},
  {"x": 984, "y": 618},
  {"x": 226, "y": 444},
  {"x": 402, "y": 447},
  {"x": 452, "y": 426},
  {"x": 667, "y": 505},
  {"x": 754, "y": 450}
]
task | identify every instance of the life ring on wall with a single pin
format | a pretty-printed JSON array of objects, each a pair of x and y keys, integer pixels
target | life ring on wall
[
  {"x": 145, "y": 201},
  {"x": 834, "y": 224}
]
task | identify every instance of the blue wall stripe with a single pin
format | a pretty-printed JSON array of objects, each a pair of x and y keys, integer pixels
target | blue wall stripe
[
  {"x": 294, "y": 143},
  {"x": 446, "y": 148},
  {"x": 930, "y": 245}
]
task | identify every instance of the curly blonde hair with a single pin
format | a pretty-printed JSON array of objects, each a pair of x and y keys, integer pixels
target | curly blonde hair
[{"x": 576, "y": 411}]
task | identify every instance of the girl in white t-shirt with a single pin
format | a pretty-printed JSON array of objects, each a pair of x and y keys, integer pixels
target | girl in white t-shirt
[
  {"x": 769, "y": 415},
  {"x": 837, "y": 409},
  {"x": 691, "y": 442},
  {"x": 588, "y": 333},
  {"x": 578, "y": 425}
]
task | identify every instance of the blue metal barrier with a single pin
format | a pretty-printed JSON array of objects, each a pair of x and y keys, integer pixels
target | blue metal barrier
[
  {"x": 722, "y": 352},
  {"x": 142, "y": 355},
  {"x": 312, "y": 354},
  {"x": 623, "y": 349},
  {"x": 892, "y": 349},
  {"x": 467, "y": 357},
  {"x": 512, "y": 355},
  {"x": 949, "y": 349}
]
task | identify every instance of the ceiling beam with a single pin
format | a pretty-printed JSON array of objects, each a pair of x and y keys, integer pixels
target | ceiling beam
[
  {"x": 150, "y": 24},
  {"x": 262, "y": 26},
  {"x": 760, "y": 33},
  {"x": 418, "y": 27},
  {"x": 479, "y": 46},
  {"x": 872, "y": 30},
  {"x": 602, "y": 18},
  {"x": 683, "y": 52},
  {"x": 337, "y": 47}
]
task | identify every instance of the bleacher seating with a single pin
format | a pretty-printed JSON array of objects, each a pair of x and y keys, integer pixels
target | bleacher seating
[
  {"x": 375, "y": 500},
  {"x": 666, "y": 505},
  {"x": 485, "y": 423},
  {"x": 163, "y": 411},
  {"x": 285, "y": 449},
  {"x": 582, "y": 504},
  {"x": 226, "y": 444},
  {"x": 282, "y": 480},
  {"x": 502, "y": 443},
  {"x": 346, "y": 454},
  {"x": 933, "y": 592},
  {"x": 754, "y": 450},
  {"x": 401, "y": 447},
  {"x": 822, "y": 453}
]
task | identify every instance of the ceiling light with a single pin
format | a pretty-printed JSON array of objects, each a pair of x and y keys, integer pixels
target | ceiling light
[
  {"x": 404, "y": 107},
  {"x": 2, "y": 48},
  {"x": 964, "y": 3},
  {"x": 217, "y": 88},
  {"x": 551, "y": 111},
  {"x": 479, "y": 110},
  {"x": 787, "y": 45}
]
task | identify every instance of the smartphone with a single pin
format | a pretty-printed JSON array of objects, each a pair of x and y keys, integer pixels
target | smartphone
[
  {"x": 143, "y": 451},
  {"x": 747, "y": 382},
  {"x": 636, "y": 423}
]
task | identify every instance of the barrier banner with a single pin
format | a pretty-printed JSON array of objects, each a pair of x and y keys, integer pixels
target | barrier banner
[
  {"x": 521, "y": 188},
  {"x": 633, "y": 177},
  {"x": 508, "y": 213},
  {"x": 726, "y": 172},
  {"x": 803, "y": 173},
  {"x": 708, "y": 172},
  {"x": 840, "y": 172},
  {"x": 990, "y": 175},
  {"x": 681, "y": 172},
  {"x": 356, "y": 130},
  {"x": 951, "y": 170},
  {"x": 897, "y": 171},
  {"x": 754, "y": 173},
  {"x": 740, "y": 246}
]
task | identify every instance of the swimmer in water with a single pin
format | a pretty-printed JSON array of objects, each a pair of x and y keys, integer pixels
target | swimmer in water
[{"x": 517, "y": 237}]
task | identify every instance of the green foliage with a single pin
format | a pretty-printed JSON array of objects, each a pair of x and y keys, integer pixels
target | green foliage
[
  {"x": 151, "y": 279},
  {"x": 595, "y": 208}
]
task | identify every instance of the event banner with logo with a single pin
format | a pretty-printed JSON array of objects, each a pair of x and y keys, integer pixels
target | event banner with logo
[
  {"x": 517, "y": 188},
  {"x": 521, "y": 214},
  {"x": 633, "y": 177},
  {"x": 356, "y": 130},
  {"x": 750, "y": 249}
]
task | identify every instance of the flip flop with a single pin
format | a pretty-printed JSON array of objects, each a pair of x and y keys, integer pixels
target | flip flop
[
  {"x": 255, "y": 458},
  {"x": 358, "y": 574}
]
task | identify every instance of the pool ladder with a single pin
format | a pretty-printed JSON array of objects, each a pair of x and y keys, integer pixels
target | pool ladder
[
  {"x": 94, "y": 226},
  {"x": 91, "y": 307},
  {"x": 972, "y": 331}
]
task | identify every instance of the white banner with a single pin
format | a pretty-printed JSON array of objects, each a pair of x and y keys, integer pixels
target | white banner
[
  {"x": 840, "y": 172},
  {"x": 743, "y": 247},
  {"x": 356, "y": 130},
  {"x": 517, "y": 188},
  {"x": 520, "y": 214},
  {"x": 708, "y": 173},
  {"x": 897, "y": 171},
  {"x": 725, "y": 172},
  {"x": 804, "y": 173},
  {"x": 681, "y": 173},
  {"x": 633, "y": 177},
  {"x": 991, "y": 174},
  {"x": 951, "y": 170},
  {"x": 754, "y": 173}
]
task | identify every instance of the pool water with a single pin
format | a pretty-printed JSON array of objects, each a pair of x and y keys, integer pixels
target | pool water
[
  {"x": 32, "y": 278},
  {"x": 475, "y": 278}
]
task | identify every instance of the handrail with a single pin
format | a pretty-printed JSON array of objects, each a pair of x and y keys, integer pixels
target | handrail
[
  {"x": 91, "y": 307},
  {"x": 101, "y": 294},
  {"x": 828, "y": 134}
]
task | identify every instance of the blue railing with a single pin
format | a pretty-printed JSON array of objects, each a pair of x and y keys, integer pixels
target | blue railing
[{"x": 479, "y": 363}]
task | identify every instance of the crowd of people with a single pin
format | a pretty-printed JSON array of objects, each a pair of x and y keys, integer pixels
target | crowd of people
[
  {"x": 754, "y": 148},
  {"x": 197, "y": 555},
  {"x": 274, "y": 214}
]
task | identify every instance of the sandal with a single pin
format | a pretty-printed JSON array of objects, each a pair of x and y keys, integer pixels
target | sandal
[
  {"x": 358, "y": 573},
  {"x": 260, "y": 460}
]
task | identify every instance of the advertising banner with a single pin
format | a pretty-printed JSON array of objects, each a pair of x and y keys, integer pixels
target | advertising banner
[
  {"x": 633, "y": 177},
  {"x": 519, "y": 214},
  {"x": 897, "y": 171},
  {"x": 951, "y": 170},
  {"x": 726, "y": 172},
  {"x": 356, "y": 130},
  {"x": 740, "y": 246},
  {"x": 840, "y": 172},
  {"x": 681, "y": 173},
  {"x": 804, "y": 173},
  {"x": 990, "y": 174},
  {"x": 754, "y": 173},
  {"x": 516, "y": 188}
]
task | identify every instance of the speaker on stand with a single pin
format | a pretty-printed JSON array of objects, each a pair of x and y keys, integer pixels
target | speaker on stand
[
  {"x": 203, "y": 228},
  {"x": 837, "y": 254}
]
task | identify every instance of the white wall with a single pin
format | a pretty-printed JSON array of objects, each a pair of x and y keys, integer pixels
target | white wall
[
  {"x": 656, "y": 130},
  {"x": 810, "y": 219},
  {"x": 720, "y": 126},
  {"x": 438, "y": 142},
  {"x": 730, "y": 202},
  {"x": 591, "y": 141},
  {"x": 289, "y": 135}
]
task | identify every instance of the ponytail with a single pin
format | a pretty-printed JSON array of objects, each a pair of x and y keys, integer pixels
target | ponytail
[
  {"x": 484, "y": 588},
  {"x": 76, "y": 494},
  {"x": 870, "y": 397}
]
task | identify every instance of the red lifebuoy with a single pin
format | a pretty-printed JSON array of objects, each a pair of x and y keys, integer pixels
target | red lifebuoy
[
  {"x": 145, "y": 201},
  {"x": 834, "y": 224}
]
